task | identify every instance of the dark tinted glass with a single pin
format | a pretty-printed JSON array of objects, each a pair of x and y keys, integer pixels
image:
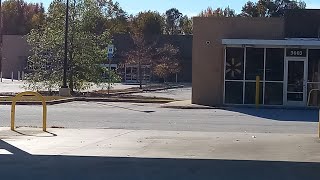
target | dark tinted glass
[
  {"x": 233, "y": 92},
  {"x": 254, "y": 63},
  {"x": 274, "y": 64},
  {"x": 314, "y": 65},
  {"x": 250, "y": 93},
  {"x": 273, "y": 94}
]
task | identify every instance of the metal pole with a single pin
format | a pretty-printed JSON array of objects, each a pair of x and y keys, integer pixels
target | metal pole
[
  {"x": 65, "y": 65},
  {"x": 109, "y": 70},
  {"x": 1, "y": 36}
]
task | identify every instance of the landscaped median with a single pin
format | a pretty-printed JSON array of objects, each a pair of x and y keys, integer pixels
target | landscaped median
[
  {"x": 121, "y": 95},
  {"x": 50, "y": 100}
]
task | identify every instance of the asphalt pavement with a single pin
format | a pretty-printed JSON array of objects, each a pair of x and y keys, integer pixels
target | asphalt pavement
[
  {"x": 113, "y": 140},
  {"x": 177, "y": 94},
  {"x": 138, "y": 116}
]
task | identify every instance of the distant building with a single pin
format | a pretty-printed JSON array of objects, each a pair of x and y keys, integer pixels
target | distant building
[
  {"x": 229, "y": 53},
  {"x": 15, "y": 52},
  {"x": 129, "y": 72}
]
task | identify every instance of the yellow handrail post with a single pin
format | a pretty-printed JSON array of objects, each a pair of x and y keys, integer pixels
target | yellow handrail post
[
  {"x": 44, "y": 111},
  {"x": 257, "y": 91},
  {"x": 13, "y": 111}
]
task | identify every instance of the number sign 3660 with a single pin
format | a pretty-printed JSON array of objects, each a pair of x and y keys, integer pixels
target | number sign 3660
[{"x": 296, "y": 52}]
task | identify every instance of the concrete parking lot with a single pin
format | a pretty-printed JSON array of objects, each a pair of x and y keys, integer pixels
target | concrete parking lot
[{"x": 113, "y": 140}]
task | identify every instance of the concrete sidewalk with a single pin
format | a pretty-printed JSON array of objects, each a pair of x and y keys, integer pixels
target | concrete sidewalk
[
  {"x": 165, "y": 144},
  {"x": 144, "y": 154}
]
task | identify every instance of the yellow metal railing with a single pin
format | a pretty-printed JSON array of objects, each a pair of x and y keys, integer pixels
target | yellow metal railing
[{"x": 44, "y": 110}]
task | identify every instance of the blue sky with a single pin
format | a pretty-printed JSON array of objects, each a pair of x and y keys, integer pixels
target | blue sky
[{"x": 188, "y": 7}]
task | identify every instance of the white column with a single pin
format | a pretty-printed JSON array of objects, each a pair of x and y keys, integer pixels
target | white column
[
  {"x": 18, "y": 75},
  {"x": 12, "y": 76}
]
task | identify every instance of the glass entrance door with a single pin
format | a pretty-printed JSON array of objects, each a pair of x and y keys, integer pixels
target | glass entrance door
[{"x": 296, "y": 79}]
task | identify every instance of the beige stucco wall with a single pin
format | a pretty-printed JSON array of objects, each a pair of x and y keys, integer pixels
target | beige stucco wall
[
  {"x": 15, "y": 51},
  {"x": 208, "y": 59}
]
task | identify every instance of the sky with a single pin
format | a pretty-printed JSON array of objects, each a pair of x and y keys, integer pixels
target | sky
[{"x": 187, "y": 7}]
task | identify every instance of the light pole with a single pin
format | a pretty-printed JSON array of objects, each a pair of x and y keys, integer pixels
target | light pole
[
  {"x": 64, "y": 90},
  {"x": 1, "y": 38},
  {"x": 65, "y": 63}
]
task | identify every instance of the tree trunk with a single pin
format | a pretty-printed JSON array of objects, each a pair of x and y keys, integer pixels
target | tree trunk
[
  {"x": 71, "y": 85},
  {"x": 140, "y": 75},
  {"x": 71, "y": 81}
]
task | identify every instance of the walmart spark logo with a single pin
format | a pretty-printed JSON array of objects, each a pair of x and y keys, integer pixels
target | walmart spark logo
[{"x": 233, "y": 68}]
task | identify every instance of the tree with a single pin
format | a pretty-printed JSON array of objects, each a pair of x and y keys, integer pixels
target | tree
[
  {"x": 250, "y": 10},
  {"x": 148, "y": 24},
  {"x": 163, "y": 60},
  {"x": 141, "y": 54},
  {"x": 86, "y": 47},
  {"x": 186, "y": 25},
  {"x": 173, "y": 19},
  {"x": 20, "y": 17},
  {"x": 116, "y": 18},
  {"x": 270, "y": 8},
  {"x": 167, "y": 61},
  {"x": 219, "y": 12}
]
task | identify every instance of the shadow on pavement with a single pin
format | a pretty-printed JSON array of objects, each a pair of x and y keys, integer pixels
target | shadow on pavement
[
  {"x": 22, "y": 165},
  {"x": 304, "y": 115},
  {"x": 26, "y": 134}
]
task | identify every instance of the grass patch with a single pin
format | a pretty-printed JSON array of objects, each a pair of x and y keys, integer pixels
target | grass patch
[{"x": 32, "y": 98}]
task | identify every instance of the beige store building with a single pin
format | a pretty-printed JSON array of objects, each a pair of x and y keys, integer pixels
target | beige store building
[{"x": 228, "y": 54}]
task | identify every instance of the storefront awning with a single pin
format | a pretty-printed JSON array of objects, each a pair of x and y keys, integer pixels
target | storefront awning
[{"x": 262, "y": 42}]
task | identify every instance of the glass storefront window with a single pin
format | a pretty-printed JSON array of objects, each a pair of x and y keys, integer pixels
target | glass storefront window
[
  {"x": 250, "y": 93},
  {"x": 254, "y": 63},
  {"x": 314, "y": 76},
  {"x": 273, "y": 94},
  {"x": 274, "y": 64},
  {"x": 240, "y": 86},
  {"x": 234, "y": 92},
  {"x": 314, "y": 65},
  {"x": 314, "y": 95},
  {"x": 234, "y": 64}
]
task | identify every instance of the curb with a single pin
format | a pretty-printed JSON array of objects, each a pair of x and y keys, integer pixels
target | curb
[
  {"x": 87, "y": 100},
  {"x": 190, "y": 107},
  {"x": 38, "y": 102},
  {"x": 122, "y": 100},
  {"x": 165, "y": 88}
]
